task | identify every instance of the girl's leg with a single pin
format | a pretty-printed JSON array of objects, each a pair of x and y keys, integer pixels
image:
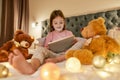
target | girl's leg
[
  {"x": 42, "y": 53},
  {"x": 53, "y": 57},
  {"x": 45, "y": 55}
]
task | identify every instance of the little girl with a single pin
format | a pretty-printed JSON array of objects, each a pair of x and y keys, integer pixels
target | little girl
[{"x": 43, "y": 54}]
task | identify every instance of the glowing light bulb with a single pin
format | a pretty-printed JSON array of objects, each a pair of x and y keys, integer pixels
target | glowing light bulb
[
  {"x": 116, "y": 59},
  {"x": 73, "y": 64},
  {"x": 3, "y": 71},
  {"x": 99, "y": 61},
  {"x": 50, "y": 71}
]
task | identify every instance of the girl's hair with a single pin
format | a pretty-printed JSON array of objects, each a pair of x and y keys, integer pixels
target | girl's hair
[{"x": 55, "y": 14}]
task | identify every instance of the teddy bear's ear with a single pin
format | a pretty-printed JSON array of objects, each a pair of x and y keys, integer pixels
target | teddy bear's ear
[
  {"x": 19, "y": 32},
  {"x": 101, "y": 20}
]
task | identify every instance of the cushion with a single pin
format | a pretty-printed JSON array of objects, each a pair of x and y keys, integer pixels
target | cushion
[
  {"x": 115, "y": 33},
  {"x": 80, "y": 39},
  {"x": 40, "y": 41}
]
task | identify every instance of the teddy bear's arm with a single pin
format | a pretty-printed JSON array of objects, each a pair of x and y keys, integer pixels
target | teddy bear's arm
[
  {"x": 4, "y": 51},
  {"x": 6, "y": 46}
]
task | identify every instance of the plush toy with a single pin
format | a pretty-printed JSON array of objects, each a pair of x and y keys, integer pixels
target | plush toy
[
  {"x": 21, "y": 41},
  {"x": 97, "y": 43}
]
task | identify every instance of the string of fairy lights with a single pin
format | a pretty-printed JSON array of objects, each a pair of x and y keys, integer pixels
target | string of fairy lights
[{"x": 101, "y": 67}]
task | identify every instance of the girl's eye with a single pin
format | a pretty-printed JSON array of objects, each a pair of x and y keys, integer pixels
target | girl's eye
[
  {"x": 55, "y": 23},
  {"x": 61, "y": 22}
]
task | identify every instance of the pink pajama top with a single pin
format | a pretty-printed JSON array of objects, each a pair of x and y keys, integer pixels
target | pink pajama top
[{"x": 54, "y": 35}]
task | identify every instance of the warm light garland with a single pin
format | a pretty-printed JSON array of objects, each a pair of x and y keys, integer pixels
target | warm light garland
[
  {"x": 50, "y": 71},
  {"x": 3, "y": 71},
  {"x": 112, "y": 68},
  {"x": 99, "y": 61},
  {"x": 107, "y": 67},
  {"x": 73, "y": 65}
]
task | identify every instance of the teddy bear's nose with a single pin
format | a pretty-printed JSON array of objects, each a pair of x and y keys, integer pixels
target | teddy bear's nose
[
  {"x": 81, "y": 29},
  {"x": 27, "y": 45},
  {"x": 24, "y": 44}
]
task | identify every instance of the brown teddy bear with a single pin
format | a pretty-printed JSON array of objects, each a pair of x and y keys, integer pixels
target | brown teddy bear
[
  {"x": 21, "y": 41},
  {"x": 97, "y": 43}
]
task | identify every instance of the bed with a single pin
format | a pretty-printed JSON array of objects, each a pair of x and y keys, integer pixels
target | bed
[{"x": 75, "y": 23}]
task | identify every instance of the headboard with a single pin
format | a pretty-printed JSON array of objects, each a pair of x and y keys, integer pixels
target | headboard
[{"x": 74, "y": 23}]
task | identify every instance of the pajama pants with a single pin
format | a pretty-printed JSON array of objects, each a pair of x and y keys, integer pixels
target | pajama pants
[{"x": 42, "y": 53}]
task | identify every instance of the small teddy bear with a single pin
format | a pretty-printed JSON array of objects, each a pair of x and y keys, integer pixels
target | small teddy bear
[
  {"x": 97, "y": 43},
  {"x": 21, "y": 41}
]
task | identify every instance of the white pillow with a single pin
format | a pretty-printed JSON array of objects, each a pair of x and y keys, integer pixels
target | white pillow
[
  {"x": 80, "y": 38},
  {"x": 115, "y": 33},
  {"x": 41, "y": 41}
]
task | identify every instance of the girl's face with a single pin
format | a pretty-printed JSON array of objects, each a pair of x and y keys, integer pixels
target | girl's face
[{"x": 58, "y": 23}]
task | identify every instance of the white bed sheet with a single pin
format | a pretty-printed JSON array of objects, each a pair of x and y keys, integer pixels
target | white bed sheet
[{"x": 88, "y": 72}]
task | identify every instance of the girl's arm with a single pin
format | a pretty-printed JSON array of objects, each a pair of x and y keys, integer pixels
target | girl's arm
[{"x": 47, "y": 40}]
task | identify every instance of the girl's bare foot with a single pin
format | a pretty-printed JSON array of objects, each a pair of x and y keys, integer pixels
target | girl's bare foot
[{"x": 18, "y": 61}]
